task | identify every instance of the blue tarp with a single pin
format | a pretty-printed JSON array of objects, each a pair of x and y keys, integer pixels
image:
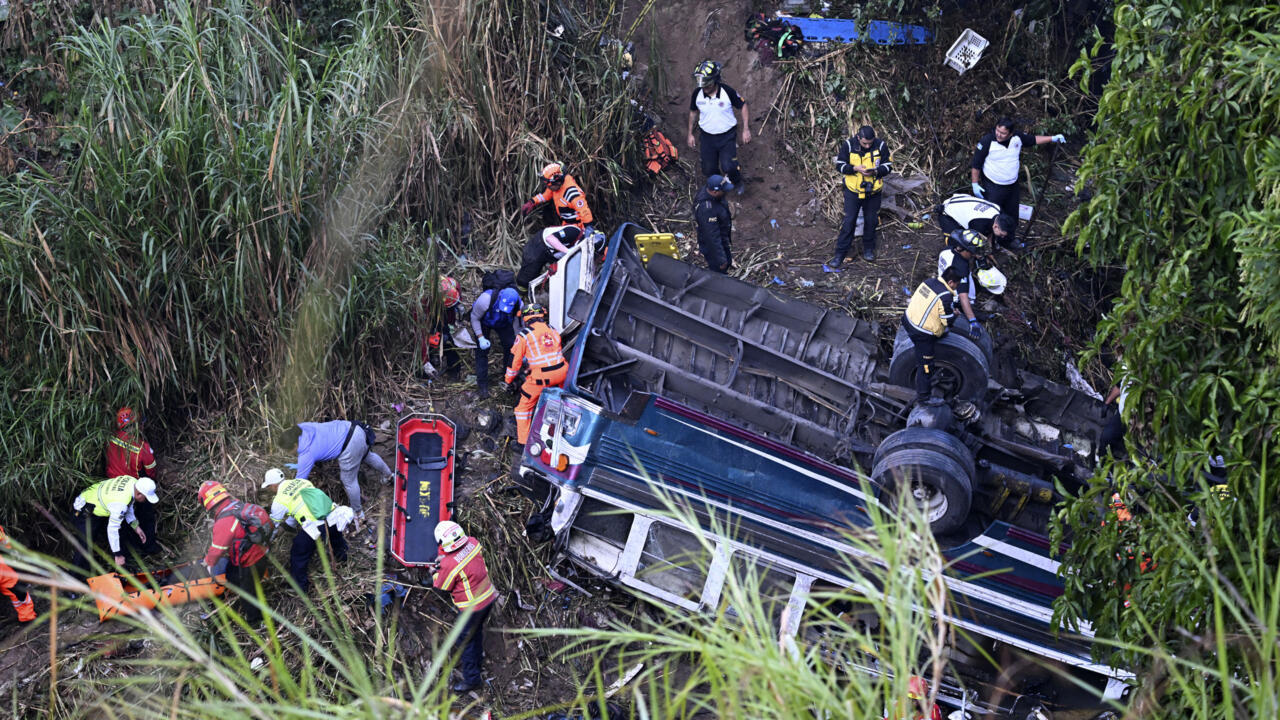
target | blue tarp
[{"x": 879, "y": 32}]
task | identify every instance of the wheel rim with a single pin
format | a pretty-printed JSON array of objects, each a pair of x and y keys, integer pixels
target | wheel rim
[{"x": 932, "y": 503}]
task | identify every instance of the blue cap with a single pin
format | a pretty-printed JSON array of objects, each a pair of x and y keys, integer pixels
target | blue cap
[{"x": 719, "y": 183}]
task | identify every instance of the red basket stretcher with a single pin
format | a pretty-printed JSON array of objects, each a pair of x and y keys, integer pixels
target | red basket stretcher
[{"x": 424, "y": 486}]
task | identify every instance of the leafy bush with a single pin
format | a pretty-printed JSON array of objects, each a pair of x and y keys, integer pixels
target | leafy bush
[{"x": 1186, "y": 164}]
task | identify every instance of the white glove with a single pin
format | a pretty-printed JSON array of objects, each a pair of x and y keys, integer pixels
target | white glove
[
  {"x": 1059, "y": 138},
  {"x": 341, "y": 517},
  {"x": 484, "y": 343},
  {"x": 977, "y": 190},
  {"x": 428, "y": 369}
]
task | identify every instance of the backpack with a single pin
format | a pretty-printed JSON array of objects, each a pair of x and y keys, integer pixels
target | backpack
[
  {"x": 317, "y": 502},
  {"x": 498, "y": 279},
  {"x": 659, "y": 152},
  {"x": 256, "y": 521},
  {"x": 776, "y": 35}
]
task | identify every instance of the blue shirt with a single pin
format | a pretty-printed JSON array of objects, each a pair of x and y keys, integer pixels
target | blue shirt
[{"x": 320, "y": 442}]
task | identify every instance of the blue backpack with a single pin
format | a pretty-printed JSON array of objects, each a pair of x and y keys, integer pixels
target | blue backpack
[{"x": 502, "y": 310}]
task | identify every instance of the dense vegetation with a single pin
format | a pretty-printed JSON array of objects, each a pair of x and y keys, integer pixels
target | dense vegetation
[
  {"x": 229, "y": 174},
  {"x": 1185, "y": 163}
]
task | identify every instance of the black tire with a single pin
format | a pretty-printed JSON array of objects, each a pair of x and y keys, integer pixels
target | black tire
[
  {"x": 961, "y": 366},
  {"x": 936, "y": 465}
]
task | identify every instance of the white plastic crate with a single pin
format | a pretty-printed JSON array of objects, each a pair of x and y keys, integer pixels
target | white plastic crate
[{"x": 966, "y": 51}]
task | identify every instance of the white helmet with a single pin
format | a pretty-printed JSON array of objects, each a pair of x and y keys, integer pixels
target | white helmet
[
  {"x": 147, "y": 487},
  {"x": 450, "y": 535},
  {"x": 274, "y": 476},
  {"x": 992, "y": 279}
]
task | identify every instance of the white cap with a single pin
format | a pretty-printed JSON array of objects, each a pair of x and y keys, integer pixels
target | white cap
[
  {"x": 147, "y": 487},
  {"x": 274, "y": 476}
]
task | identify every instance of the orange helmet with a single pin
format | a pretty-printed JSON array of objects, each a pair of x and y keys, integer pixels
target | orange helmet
[
  {"x": 449, "y": 291},
  {"x": 211, "y": 493},
  {"x": 124, "y": 416},
  {"x": 917, "y": 688},
  {"x": 553, "y": 174}
]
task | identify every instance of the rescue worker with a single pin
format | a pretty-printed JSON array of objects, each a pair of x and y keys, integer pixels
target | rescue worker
[
  {"x": 966, "y": 212},
  {"x": 346, "y": 441},
  {"x": 715, "y": 223},
  {"x": 231, "y": 542},
  {"x": 496, "y": 310},
  {"x": 129, "y": 453},
  {"x": 993, "y": 173},
  {"x": 566, "y": 198},
  {"x": 927, "y": 318},
  {"x": 300, "y": 504},
  {"x": 540, "y": 346},
  {"x": 460, "y": 571},
  {"x": 864, "y": 160},
  {"x": 544, "y": 247},
  {"x": 18, "y": 592},
  {"x": 918, "y": 705},
  {"x": 435, "y": 326},
  {"x": 111, "y": 501},
  {"x": 965, "y": 250},
  {"x": 712, "y": 106}
]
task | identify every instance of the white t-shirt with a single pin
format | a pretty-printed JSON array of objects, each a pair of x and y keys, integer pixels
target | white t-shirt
[{"x": 715, "y": 112}]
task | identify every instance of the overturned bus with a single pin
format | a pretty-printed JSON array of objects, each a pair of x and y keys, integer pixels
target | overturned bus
[{"x": 782, "y": 420}]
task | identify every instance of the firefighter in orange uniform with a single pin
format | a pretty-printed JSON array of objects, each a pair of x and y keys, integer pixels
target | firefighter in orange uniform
[
  {"x": 18, "y": 592},
  {"x": 566, "y": 197},
  {"x": 461, "y": 572},
  {"x": 129, "y": 453},
  {"x": 540, "y": 345}
]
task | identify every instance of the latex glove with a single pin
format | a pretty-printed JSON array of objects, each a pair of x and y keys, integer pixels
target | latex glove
[
  {"x": 527, "y": 207},
  {"x": 1059, "y": 138},
  {"x": 975, "y": 329},
  {"x": 120, "y": 560},
  {"x": 977, "y": 190},
  {"x": 483, "y": 343}
]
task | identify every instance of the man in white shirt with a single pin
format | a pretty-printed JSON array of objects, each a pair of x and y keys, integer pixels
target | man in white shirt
[
  {"x": 994, "y": 170},
  {"x": 714, "y": 106}
]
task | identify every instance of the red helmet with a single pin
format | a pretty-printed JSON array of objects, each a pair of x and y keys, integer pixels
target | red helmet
[
  {"x": 553, "y": 174},
  {"x": 449, "y": 291},
  {"x": 917, "y": 688},
  {"x": 124, "y": 416},
  {"x": 211, "y": 493}
]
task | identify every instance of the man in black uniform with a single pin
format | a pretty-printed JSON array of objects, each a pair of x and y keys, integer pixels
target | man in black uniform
[
  {"x": 715, "y": 224},
  {"x": 543, "y": 247},
  {"x": 966, "y": 212},
  {"x": 927, "y": 318},
  {"x": 864, "y": 160},
  {"x": 712, "y": 106},
  {"x": 994, "y": 170}
]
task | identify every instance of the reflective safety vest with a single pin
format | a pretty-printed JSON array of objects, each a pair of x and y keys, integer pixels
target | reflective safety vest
[
  {"x": 464, "y": 575},
  {"x": 570, "y": 202},
  {"x": 540, "y": 345},
  {"x": 116, "y": 491},
  {"x": 877, "y": 155},
  {"x": 290, "y": 496},
  {"x": 930, "y": 308}
]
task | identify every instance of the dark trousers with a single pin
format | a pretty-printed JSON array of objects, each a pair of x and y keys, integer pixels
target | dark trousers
[
  {"x": 719, "y": 155},
  {"x": 1112, "y": 438},
  {"x": 870, "y": 208},
  {"x": 506, "y": 338},
  {"x": 926, "y": 347},
  {"x": 535, "y": 257},
  {"x": 247, "y": 580},
  {"x": 471, "y": 645},
  {"x": 1007, "y": 197},
  {"x": 91, "y": 533},
  {"x": 718, "y": 253},
  {"x": 304, "y": 548},
  {"x": 146, "y": 515}
]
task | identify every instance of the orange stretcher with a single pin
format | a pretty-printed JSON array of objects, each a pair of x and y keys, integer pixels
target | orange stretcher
[{"x": 116, "y": 594}]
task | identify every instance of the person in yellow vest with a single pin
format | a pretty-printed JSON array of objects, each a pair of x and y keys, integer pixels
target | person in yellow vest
[
  {"x": 927, "y": 318},
  {"x": 18, "y": 592},
  {"x": 864, "y": 160},
  {"x": 109, "y": 505},
  {"x": 459, "y": 570},
  {"x": 302, "y": 505}
]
